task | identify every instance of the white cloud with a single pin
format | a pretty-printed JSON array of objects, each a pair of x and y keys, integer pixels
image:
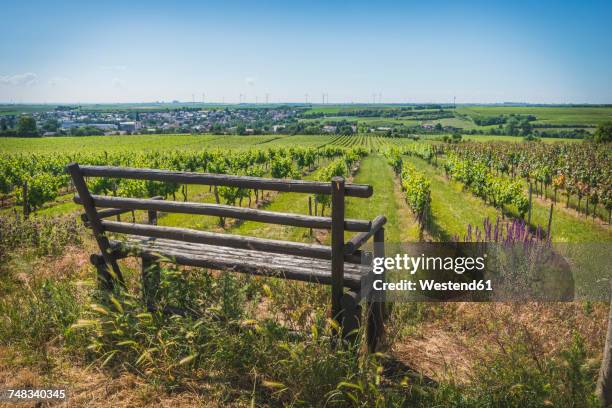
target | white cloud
[
  {"x": 25, "y": 79},
  {"x": 249, "y": 81}
]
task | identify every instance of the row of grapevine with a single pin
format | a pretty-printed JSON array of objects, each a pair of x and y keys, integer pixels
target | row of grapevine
[
  {"x": 415, "y": 185},
  {"x": 579, "y": 170},
  {"x": 499, "y": 190},
  {"x": 340, "y": 167},
  {"x": 45, "y": 176}
]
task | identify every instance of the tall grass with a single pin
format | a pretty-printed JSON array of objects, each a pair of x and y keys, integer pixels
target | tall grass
[
  {"x": 229, "y": 336},
  {"x": 46, "y": 236}
]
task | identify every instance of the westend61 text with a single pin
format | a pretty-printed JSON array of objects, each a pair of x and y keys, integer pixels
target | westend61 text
[{"x": 429, "y": 285}]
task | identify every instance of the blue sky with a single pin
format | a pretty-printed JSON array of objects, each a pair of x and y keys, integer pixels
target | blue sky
[{"x": 539, "y": 51}]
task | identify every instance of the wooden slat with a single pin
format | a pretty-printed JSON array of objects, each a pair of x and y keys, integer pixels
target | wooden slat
[
  {"x": 241, "y": 260},
  {"x": 206, "y": 237},
  {"x": 181, "y": 177},
  {"x": 219, "y": 210},
  {"x": 109, "y": 212}
]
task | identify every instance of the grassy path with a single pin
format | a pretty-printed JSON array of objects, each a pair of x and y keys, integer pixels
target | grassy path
[
  {"x": 567, "y": 227},
  {"x": 282, "y": 202},
  {"x": 452, "y": 209},
  {"x": 386, "y": 200}
]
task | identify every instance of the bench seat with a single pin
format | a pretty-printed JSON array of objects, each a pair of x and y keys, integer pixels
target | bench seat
[{"x": 240, "y": 260}]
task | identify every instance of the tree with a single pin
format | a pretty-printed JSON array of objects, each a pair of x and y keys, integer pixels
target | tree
[
  {"x": 3, "y": 125},
  {"x": 512, "y": 126},
  {"x": 26, "y": 126},
  {"x": 526, "y": 127},
  {"x": 51, "y": 125},
  {"x": 603, "y": 134},
  {"x": 345, "y": 130}
]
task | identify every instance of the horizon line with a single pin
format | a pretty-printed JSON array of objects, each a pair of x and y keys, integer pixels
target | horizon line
[{"x": 213, "y": 103}]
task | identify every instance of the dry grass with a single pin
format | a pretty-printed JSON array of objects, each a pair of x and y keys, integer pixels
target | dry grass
[{"x": 463, "y": 335}]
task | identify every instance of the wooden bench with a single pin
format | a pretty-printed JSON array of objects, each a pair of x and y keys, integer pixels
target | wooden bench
[{"x": 340, "y": 265}]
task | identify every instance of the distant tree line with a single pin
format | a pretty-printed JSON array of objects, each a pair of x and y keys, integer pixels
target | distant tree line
[{"x": 433, "y": 112}]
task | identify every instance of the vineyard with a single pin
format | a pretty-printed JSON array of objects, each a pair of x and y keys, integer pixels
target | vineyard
[
  {"x": 503, "y": 175},
  {"x": 41, "y": 175},
  {"x": 429, "y": 190}
]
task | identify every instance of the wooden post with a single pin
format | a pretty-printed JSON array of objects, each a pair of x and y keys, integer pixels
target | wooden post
[
  {"x": 550, "y": 214},
  {"x": 351, "y": 318},
  {"x": 310, "y": 211},
  {"x": 529, "y": 211},
  {"x": 150, "y": 272},
  {"x": 377, "y": 311},
  {"x": 152, "y": 217},
  {"x": 92, "y": 215},
  {"x": 26, "y": 207},
  {"x": 150, "y": 281},
  {"x": 337, "y": 246}
]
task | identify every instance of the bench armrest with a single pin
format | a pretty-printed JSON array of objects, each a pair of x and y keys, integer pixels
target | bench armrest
[{"x": 358, "y": 240}]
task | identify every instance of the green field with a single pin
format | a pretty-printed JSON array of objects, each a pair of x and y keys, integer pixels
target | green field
[{"x": 546, "y": 114}]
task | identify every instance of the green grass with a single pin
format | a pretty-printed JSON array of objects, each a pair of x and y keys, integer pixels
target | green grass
[
  {"x": 567, "y": 227},
  {"x": 283, "y": 202}
]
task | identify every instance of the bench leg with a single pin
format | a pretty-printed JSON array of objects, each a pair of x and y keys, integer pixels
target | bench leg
[
  {"x": 150, "y": 281},
  {"x": 351, "y": 316},
  {"x": 377, "y": 312},
  {"x": 105, "y": 279},
  {"x": 375, "y": 324}
]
